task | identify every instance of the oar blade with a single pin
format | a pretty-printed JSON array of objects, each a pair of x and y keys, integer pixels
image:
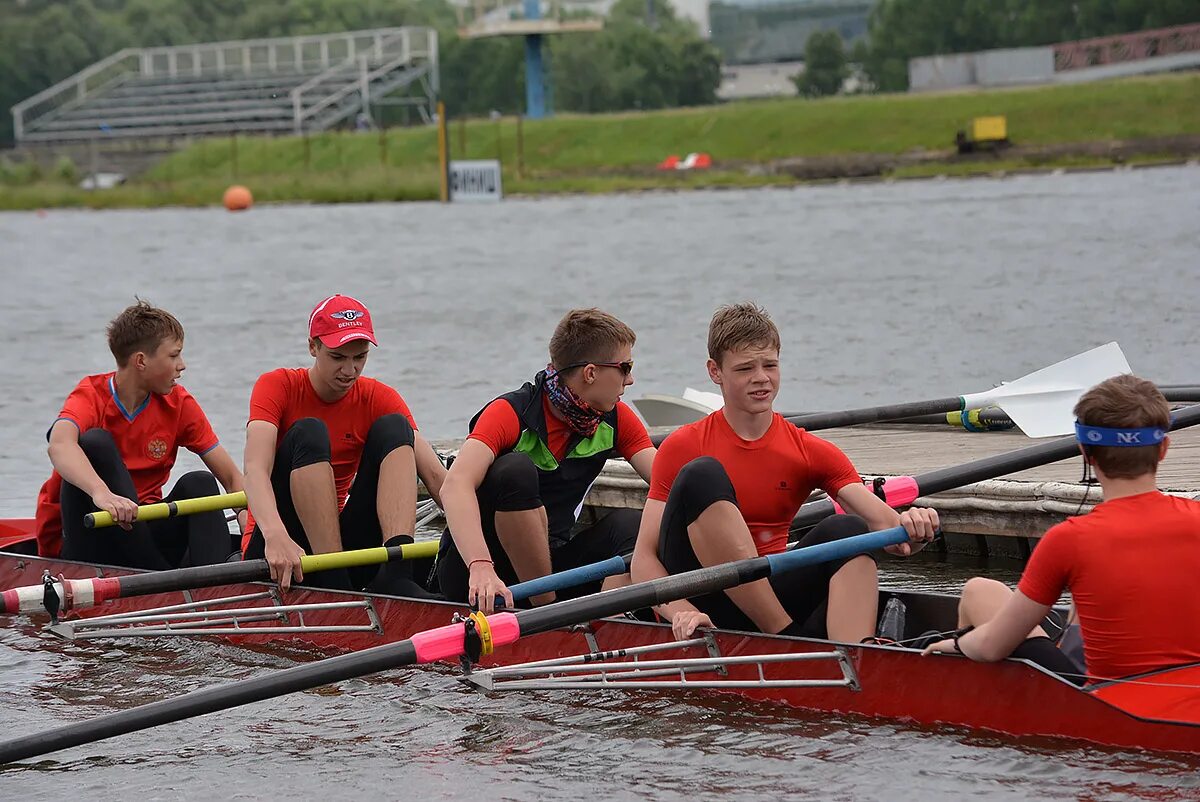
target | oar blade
[{"x": 1042, "y": 403}]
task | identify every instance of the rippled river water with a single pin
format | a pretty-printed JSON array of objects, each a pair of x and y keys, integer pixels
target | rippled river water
[{"x": 884, "y": 292}]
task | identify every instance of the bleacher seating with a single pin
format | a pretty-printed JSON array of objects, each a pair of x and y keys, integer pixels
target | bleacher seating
[{"x": 147, "y": 93}]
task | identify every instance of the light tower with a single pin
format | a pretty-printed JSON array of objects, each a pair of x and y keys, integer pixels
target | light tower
[{"x": 533, "y": 27}]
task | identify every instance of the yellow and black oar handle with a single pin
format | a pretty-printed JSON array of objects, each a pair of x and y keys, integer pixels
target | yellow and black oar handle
[
  {"x": 78, "y": 593},
  {"x": 170, "y": 509}
]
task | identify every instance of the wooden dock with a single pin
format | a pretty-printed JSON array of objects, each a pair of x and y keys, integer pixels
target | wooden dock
[{"x": 998, "y": 517}]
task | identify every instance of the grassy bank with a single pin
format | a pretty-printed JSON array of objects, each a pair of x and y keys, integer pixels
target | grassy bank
[{"x": 605, "y": 153}]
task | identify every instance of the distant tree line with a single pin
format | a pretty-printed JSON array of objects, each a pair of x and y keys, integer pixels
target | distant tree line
[{"x": 644, "y": 58}]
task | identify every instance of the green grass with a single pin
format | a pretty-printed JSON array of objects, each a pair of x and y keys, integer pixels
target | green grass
[{"x": 617, "y": 152}]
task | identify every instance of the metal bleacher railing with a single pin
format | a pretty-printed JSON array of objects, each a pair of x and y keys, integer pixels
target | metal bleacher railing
[{"x": 286, "y": 85}]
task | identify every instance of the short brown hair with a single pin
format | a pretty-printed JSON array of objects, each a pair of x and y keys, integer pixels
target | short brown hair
[
  {"x": 141, "y": 327},
  {"x": 739, "y": 325},
  {"x": 1124, "y": 402},
  {"x": 587, "y": 335}
]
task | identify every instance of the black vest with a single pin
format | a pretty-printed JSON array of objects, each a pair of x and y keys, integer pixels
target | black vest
[{"x": 562, "y": 485}]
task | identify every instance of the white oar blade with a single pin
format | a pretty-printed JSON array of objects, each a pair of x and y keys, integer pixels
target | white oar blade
[
  {"x": 1042, "y": 404},
  {"x": 1045, "y": 414}
]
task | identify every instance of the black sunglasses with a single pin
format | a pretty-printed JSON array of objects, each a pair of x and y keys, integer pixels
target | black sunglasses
[{"x": 625, "y": 367}]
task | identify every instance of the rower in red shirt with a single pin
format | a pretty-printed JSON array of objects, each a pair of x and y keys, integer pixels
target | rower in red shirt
[
  {"x": 113, "y": 446},
  {"x": 515, "y": 491},
  {"x": 1130, "y": 564},
  {"x": 727, "y": 487},
  {"x": 332, "y": 458}
]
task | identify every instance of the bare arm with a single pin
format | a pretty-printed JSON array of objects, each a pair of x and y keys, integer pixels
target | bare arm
[
  {"x": 429, "y": 468},
  {"x": 646, "y": 565},
  {"x": 466, "y": 526},
  {"x": 228, "y": 474},
  {"x": 282, "y": 553},
  {"x": 996, "y": 639},
  {"x": 73, "y": 466},
  {"x": 856, "y": 499},
  {"x": 921, "y": 523},
  {"x": 69, "y": 460},
  {"x": 643, "y": 462}
]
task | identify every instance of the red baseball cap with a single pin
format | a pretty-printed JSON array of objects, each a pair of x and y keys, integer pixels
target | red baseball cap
[{"x": 340, "y": 319}]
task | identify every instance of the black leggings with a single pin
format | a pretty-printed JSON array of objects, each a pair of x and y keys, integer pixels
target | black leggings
[
  {"x": 511, "y": 485},
  {"x": 199, "y": 539},
  {"x": 307, "y": 443},
  {"x": 803, "y": 592}
]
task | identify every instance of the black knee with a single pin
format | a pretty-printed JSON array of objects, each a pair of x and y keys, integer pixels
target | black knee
[
  {"x": 195, "y": 484},
  {"x": 307, "y": 443},
  {"x": 511, "y": 484},
  {"x": 388, "y": 433},
  {"x": 98, "y": 443},
  {"x": 700, "y": 484},
  {"x": 624, "y": 524},
  {"x": 836, "y": 527}
]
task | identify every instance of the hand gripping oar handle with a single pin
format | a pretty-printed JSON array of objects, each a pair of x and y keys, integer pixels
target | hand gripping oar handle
[
  {"x": 441, "y": 643},
  {"x": 170, "y": 509}
]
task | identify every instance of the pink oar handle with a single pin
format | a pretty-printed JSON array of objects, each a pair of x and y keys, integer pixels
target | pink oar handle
[
  {"x": 450, "y": 640},
  {"x": 898, "y": 491}
]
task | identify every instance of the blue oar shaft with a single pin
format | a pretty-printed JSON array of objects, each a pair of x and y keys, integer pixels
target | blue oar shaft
[
  {"x": 570, "y": 578},
  {"x": 618, "y": 565},
  {"x": 836, "y": 549}
]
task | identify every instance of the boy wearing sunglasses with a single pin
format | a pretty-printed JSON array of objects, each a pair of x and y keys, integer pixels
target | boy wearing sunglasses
[{"x": 515, "y": 491}]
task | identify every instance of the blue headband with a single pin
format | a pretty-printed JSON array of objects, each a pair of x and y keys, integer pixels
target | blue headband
[{"x": 1101, "y": 436}]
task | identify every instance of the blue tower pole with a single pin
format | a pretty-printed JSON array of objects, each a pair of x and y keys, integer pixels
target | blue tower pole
[{"x": 535, "y": 82}]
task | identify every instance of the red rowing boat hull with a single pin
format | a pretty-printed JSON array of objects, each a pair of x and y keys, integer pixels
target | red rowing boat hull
[{"x": 1013, "y": 697}]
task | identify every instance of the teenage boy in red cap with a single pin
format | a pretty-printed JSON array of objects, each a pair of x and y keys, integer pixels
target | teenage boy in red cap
[
  {"x": 320, "y": 434},
  {"x": 113, "y": 446}
]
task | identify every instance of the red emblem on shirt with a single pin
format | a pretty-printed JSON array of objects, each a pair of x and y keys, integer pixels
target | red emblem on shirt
[{"x": 157, "y": 448}]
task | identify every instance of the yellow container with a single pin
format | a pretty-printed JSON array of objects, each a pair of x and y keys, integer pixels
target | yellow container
[{"x": 989, "y": 129}]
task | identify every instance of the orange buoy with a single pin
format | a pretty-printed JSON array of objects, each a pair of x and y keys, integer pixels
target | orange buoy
[{"x": 238, "y": 198}]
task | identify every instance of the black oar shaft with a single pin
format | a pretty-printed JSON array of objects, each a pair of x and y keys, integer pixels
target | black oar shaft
[
  {"x": 373, "y": 660},
  {"x": 210, "y": 700},
  {"x": 989, "y": 468},
  {"x": 435, "y": 645},
  {"x": 643, "y": 595},
  {"x": 853, "y": 417},
  {"x": 201, "y": 576}
]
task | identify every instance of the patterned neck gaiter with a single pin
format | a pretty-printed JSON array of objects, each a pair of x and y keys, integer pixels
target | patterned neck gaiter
[{"x": 582, "y": 419}]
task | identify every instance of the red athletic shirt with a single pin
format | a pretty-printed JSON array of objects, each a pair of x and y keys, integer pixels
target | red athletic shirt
[
  {"x": 772, "y": 476},
  {"x": 286, "y": 395},
  {"x": 1132, "y": 565},
  {"x": 499, "y": 429},
  {"x": 148, "y": 439}
]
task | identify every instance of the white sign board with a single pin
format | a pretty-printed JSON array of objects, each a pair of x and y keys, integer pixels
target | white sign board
[{"x": 475, "y": 180}]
